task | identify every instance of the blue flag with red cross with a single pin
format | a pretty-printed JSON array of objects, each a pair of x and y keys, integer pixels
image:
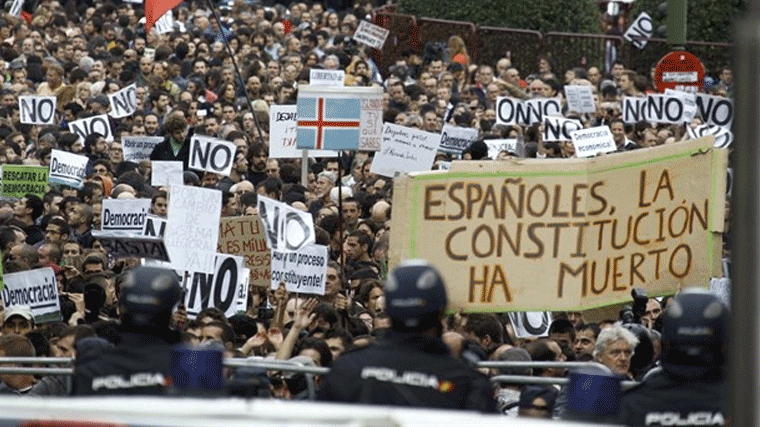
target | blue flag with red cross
[{"x": 345, "y": 118}]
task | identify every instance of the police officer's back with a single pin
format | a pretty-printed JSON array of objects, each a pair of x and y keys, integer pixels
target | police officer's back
[
  {"x": 686, "y": 390},
  {"x": 410, "y": 366},
  {"x": 139, "y": 364}
]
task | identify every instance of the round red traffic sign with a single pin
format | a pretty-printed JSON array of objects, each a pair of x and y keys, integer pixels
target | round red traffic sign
[{"x": 679, "y": 70}]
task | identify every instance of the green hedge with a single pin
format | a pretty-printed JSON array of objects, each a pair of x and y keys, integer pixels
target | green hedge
[{"x": 573, "y": 16}]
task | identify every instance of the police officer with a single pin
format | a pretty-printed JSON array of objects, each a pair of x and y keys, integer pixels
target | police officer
[
  {"x": 686, "y": 390},
  {"x": 411, "y": 365},
  {"x": 139, "y": 364}
]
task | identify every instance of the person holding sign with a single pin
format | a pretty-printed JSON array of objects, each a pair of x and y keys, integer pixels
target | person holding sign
[
  {"x": 411, "y": 366},
  {"x": 176, "y": 144}
]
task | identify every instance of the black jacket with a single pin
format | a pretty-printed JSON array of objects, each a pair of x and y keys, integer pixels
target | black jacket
[
  {"x": 163, "y": 151},
  {"x": 661, "y": 400},
  {"x": 139, "y": 365},
  {"x": 407, "y": 370}
]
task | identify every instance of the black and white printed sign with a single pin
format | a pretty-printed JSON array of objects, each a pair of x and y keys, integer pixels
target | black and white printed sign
[
  {"x": 633, "y": 109},
  {"x": 723, "y": 136},
  {"x": 124, "y": 215},
  {"x": 558, "y": 128},
  {"x": 137, "y": 148},
  {"x": 531, "y": 324},
  {"x": 302, "y": 271},
  {"x": 67, "y": 168},
  {"x": 95, "y": 124},
  {"x": 36, "y": 289},
  {"x": 455, "y": 139},
  {"x": 371, "y": 35},
  {"x": 120, "y": 245},
  {"x": 715, "y": 110},
  {"x": 319, "y": 77},
  {"x": 288, "y": 229},
  {"x": 124, "y": 102},
  {"x": 211, "y": 154},
  {"x": 220, "y": 289},
  {"x": 37, "y": 110},
  {"x": 640, "y": 31},
  {"x": 510, "y": 111}
]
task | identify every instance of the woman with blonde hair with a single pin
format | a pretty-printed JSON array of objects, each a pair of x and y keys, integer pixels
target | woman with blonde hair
[{"x": 458, "y": 51}]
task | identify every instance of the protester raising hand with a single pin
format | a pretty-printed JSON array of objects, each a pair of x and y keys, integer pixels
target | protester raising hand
[{"x": 303, "y": 318}]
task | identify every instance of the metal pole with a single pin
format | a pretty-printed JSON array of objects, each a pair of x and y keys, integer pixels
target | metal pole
[{"x": 745, "y": 272}]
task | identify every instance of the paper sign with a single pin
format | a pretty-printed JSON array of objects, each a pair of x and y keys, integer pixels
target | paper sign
[
  {"x": 689, "y": 101},
  {"x": 634, "y": 109},
  {"x": 496, "y": 146},
  {"x": 124, "y": 102},
  {"x": 530, "y": 324},
  {"x": 287, "y": 228},
  {"x": 192, "y": 228},
  {"x": 456, "y": 139},
  {"x": 640, "y": 31},
  {"x": 333, "y": 78},
  {"x": 137, "y": 148},
  {"x": 510, "y": 111},
  {"x": 559, "y": 128},
  {"x": 67, "y": 168},
  {"x": 166, "y": 172},
  {"x": 245, "y": 236},
  {"x": 155, "y": 226},
  {"x": 19, "y": 180},
  {"x": 16, "y": 7},
  {"x": 36, "y": 289},
  {"x": 302, "y": 271},
  {"x": 282, "y": 134},
  {"x": 715, "y": 110},
  {"x": 211, "y": 154},
  {"x": 405, "y": 150},
  {"x": 124, "y": 215},
  {"x": 664, "y": 109},
  {"x": 554, "y": 234},
  {"x": 37, "y": 110},
  {"x": 95, "y": 124},
  {"x": 590, "y": 142},
  {"x": 723, "y": 137},
  {"x": 580, "y": 99},
  {"x": 219, "y": 288},
  {"x": 120, "y": 245},
  {"x": 165, "y": 24},
  {"x": 371, "y": 35},
  {"x": 346, "y": 118}
]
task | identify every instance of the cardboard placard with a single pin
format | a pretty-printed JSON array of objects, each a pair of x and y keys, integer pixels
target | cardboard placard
[
  {"x": 124, "y": 102},
  {"x": 531, "y": 324},
  {"x": 558, "y": 128},
  {"x": 510, "y": 111},
  {"x": 287, "y": 228},
  {"x": 166, "y": 172},
  {"x": 121, "y": 245},
  {"x": 282, "y": 134},
  {"x": 211, "y": 154},
  {"x": 221, "y": 288},
  {"x": 334, "y": 78},
  {"x": 580, "y": 99},
  {"x": 95, "y": 124},
  {"x": 455, "y": 139},
  {"x": 124, "y": 215},
  {"x": 640, "y": 31},
  {"x": 592, "y": 141},
  {"x": 245, "y": 236},
  {"x": 370, "y": 34}
]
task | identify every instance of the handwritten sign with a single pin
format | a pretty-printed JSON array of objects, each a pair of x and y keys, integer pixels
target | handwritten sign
[
  {"x": 245, "y": 236},
  {"x": 592, "y": 141},
  {"x": 371, "y": 35},
  {"x": 19, "y": 180},
  {"x": 405, "y": 150},
  {"x": 137, "y": 148},
  {"x": 580, "y": 99},
  {"x": 192, "y": 228},
  {"x": 302, "y": 271},
  {"x": 333, "y": 78},
  {"x": 559, "y": 234},
  {"x": 67, "y": 168}
]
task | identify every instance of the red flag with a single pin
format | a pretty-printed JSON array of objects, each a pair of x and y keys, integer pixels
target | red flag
[{"x": 155, "y": 9}]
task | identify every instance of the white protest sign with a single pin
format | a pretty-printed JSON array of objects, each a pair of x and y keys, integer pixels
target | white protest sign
[
  {"x": 634, "y": 109},
  {"x": 511, "y": 111},
  {"x": 16, "y": 8},
  {"x": 36, "y": 289},
  {"x": 590, "y": 142},
  {"x": 211, "y": 154},
  {"x": 640, "y": 31},
  {"x": 405, "y": 150},
  {"x": 99, "y": 124},
  {"x": 371, "y": 35},
  {"x": 454, "y": 139},
  {"x": 124, "y": 215},
  {"x": 319, "y": 77},
  {"x": 689, "y": 101},
  {"x": 219, "y": 288},
  {"x": 664, "y": 109},
  {"x": 557, "y": 128},
  {"x": 124, "y": 102},
  {"x": 138, "y": 148},
  {"x": 496, "y": 146},
  {"x": 715, "y": 110},
  {"x": 288, "y": 229},
  {"x": 302, "y": 271},
  {"x": 531, "y": 324},
  {"x": 723, "y": 137},
  {"x": 120, "y": 245},
  {"x": 580, "y": 99},
  {"x": 37, "y": 110},
  {"x": 155, "y": 226},
  {"x": 166, "y": 172},
  {"x": 165, "y": 23},
  {"x": 67, "y": 168},
  {"x": 282, "y": 134},
  {"x": 192, "y": 228}
]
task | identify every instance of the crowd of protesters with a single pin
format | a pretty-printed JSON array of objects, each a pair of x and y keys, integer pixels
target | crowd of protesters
[{"x": 187, "y": 83}]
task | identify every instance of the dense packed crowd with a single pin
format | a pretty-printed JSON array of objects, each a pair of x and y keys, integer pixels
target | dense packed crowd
[{"x": 187, "y": 83}]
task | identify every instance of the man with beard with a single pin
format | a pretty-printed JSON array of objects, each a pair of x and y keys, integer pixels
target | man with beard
[{"x": 257, "y": 163}]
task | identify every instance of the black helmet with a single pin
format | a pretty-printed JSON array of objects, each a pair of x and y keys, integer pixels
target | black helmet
[
  {"x": 693, "y": 327},
  {"x": 148, "y": 295},
  {"x": 415, "y": 295}
]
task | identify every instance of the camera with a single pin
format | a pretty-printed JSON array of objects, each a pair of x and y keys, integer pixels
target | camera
[{"x": 633, "y": 314}]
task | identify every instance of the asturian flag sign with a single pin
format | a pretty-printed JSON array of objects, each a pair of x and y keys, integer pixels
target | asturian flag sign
[{"x": 345, "y": 118}]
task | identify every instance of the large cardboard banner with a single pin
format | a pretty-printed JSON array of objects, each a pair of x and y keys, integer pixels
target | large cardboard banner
[
  {"x": 121, "y": 245},
  {"x": 566, "y": 234},
  {"x": 303, "y": 271},
  {"x": 36, "y": 289},
  {"x": 344, "y": 118},
  {"x": 244, "y": 236},
  {"x": 192, "y": 228},
  {"x": 282, "y": 134},
  {"x": 19, "y": 180},
  {"x": 67, "y": 168},
  {"x": 405, "y": 150},
  {"x": 138, "y": 148},
  {"x": 37, "y": 110}
]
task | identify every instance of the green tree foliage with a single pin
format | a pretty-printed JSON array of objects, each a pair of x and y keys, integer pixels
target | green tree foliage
[
  {"x": 573, "y": 16},
  {"x": 707, "y": 20}
]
